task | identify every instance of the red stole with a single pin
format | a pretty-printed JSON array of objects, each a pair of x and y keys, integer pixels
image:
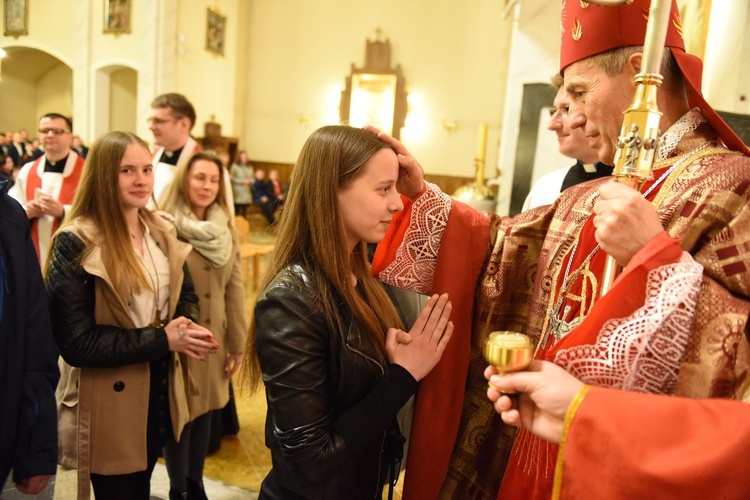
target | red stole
[
  {"x": 438, "y": 403},
  {"x": 67, "y": 193}
]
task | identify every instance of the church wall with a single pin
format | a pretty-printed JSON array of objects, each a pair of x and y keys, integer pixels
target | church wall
[
  {"x": 15, "y": 113},
  {"x": 54, "y": 93},
  {"x": 121, "y": 47},
  {"x": 533, "y": 58},
  {"x": 207, "y": 79},
  {"x": 451, "y": 54},
  {"x": 123, "y": 103},
  {"x": 726, "y": 76},
  {"x": 47, "y": 20},
  {"x": 72, "y": 31}
]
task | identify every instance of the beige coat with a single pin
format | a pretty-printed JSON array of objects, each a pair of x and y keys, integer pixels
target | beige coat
[
  {"x": 101, "y": 430},
  {"x": 223, "y": 311}
]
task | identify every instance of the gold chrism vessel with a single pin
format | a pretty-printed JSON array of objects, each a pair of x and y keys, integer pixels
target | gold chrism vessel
[{"x": 508, "y": 351}]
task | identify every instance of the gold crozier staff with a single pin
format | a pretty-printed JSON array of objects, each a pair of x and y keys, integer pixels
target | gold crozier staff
[{"x": 640, "y": 127}]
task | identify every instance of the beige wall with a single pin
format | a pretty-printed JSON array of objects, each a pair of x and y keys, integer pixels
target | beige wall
[
  {"x": 165, "y": 48},
  {"x": 54, "y": 92},
  {"x": 451, "y": 53},
  {"x": 33, "y": 83},
  {"x": 207, "y": 79},
  {"x": 123, "y": 103},
  {"x": 15, "y": 112},
  {"x": 533, "y": 58},
  {"x": 726, "y": 73}
]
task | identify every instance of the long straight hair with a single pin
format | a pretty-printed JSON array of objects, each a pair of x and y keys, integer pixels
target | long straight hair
[
  {"x": 176, "y": 198},
  {"x": 97, "y": 199},
  {"x": 311, "y": 233}
]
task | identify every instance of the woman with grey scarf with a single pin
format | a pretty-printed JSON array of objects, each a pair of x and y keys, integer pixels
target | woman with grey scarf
[{"x": 197, "y": 201}]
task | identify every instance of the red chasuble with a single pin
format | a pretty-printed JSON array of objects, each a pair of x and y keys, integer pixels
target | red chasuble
[
  {"x": 531, "y": 468},
  {"x": 621, "y": 445}
]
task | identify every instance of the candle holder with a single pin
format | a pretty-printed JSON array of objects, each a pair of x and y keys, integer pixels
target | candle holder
[
  {"x": 477, "y": 194},
  {"x": 508, "y": 352}
]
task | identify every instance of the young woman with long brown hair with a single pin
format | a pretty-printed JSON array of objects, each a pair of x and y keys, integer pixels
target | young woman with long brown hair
[
  {"x": 123, "y": 316},
  {"x": 326, "y": 339}
]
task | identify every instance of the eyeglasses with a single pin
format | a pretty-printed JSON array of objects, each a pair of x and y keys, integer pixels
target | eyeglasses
[
  {"x": 54, "y": 131},
  {"x": 160, "y": 121}
]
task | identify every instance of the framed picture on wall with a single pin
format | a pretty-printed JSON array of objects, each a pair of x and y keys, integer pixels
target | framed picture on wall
[
  {"x": 16, "y": 17},
  {"x": 117, "y": 15},
  {"x": 215, "y": 32}
]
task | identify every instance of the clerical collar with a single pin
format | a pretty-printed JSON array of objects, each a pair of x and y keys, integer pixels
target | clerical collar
[
  {"x": 589, "y": 168},
  {"x": 56, "y": 167},
  {"x": 171, "y": 157}
]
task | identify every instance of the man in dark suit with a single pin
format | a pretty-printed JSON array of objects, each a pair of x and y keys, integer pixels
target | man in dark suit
[
  {"x": 263, "y": 195},
  {"x": 78, "y": 147},
  {"x": 18, "y": 150},
  {"x": 4, "y": 148},
  {"x": 8, "y": 148}
]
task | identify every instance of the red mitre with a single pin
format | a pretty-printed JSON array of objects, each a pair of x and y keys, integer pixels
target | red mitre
[{"x": 588, "y": 29}]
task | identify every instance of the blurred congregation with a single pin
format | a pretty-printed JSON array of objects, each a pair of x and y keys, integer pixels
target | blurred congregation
[{"x": 253, "y": 153}]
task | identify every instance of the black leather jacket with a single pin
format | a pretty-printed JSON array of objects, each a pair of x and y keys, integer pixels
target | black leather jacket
[
  {"x": 331, "y": 404},
  {"x": 72, "y": 311}
]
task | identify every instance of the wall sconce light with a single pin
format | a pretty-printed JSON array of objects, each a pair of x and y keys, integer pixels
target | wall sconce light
[{"x": 449, "y": 126}]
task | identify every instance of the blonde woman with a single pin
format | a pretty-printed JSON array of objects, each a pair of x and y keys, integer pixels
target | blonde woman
[
  {"x": 198, "y": 203},
  {"x": 123, "y": 314}
]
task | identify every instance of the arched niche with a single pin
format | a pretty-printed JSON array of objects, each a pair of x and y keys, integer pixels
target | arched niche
[
  {"x": 376, "y": 93},
  {"x": 33, "y": 82},
  {"x": 116, "y": 99}
]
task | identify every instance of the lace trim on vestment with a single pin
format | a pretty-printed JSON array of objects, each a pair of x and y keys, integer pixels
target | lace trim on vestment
[
  {"x": 669, "y": 139},
  {"x": 642, "y": 352},
  {"x": 413, "y": 268}
]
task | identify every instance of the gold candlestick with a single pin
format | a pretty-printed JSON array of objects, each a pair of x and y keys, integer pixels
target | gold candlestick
[
  {"x": 508, "y": 351},
  {"x": 477, "y": 191},
  {"x": 481, "y": 152}
]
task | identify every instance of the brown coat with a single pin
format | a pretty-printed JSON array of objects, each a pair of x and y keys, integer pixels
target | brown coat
[
  {"x": 102, "y": 430},
  {"x": 224, "y": 312}
]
